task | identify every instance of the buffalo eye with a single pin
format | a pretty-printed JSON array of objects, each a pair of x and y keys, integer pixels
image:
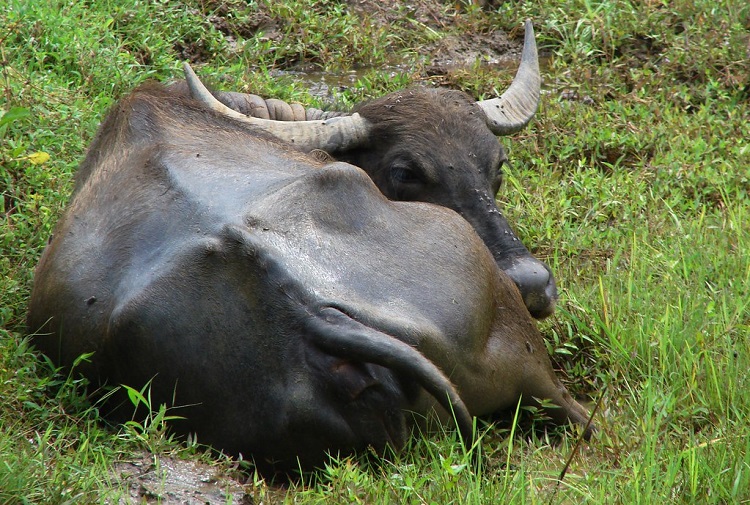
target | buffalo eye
[
  {"x": 406, "y": 181},
  {"x": 401, "y": 174}
]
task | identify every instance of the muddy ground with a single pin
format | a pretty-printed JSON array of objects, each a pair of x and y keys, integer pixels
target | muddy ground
[
  {"x": 494, "y": 47},
  {"x": 450, "y": 51},
  {"x": 149, "y": 478},
  {"x": 166, "y": 479}
]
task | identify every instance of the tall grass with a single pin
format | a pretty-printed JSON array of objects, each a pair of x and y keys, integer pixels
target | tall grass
[{"x": 633, "y": 183}]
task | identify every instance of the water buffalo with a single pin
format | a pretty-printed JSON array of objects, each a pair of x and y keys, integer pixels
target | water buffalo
[
  {"x": 283, "y": 300},
  {"x": 429, "y": 145}
]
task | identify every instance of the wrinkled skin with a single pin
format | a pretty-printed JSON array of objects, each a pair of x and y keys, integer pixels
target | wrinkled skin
[{"x": 285, "y": 303}]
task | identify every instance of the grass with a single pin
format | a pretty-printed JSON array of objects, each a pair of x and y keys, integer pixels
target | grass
[{"x": 633, "y": 183}]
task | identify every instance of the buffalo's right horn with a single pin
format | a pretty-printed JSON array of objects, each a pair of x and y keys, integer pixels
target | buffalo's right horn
[
  {"x": 513, "y": 110},
  {"x": 272, "y": 108},
  {"x": 330, "y": 135}
]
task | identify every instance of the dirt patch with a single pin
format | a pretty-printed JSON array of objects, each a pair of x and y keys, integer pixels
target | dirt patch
[
  {"x": 164, "y": 479},
  {"x": 450, "y": 52},
  {"x": 429, "y": 13},
  {"x": 463, "y": 51}
]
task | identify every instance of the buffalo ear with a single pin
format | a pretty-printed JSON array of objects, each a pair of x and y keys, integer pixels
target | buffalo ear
[
  {"x": 351, "y": 378},
  {"x": 336, "y": 333}
]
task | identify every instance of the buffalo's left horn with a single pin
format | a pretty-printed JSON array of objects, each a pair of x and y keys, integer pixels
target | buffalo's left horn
[
  {"x": 513, "y": 110},
  {"x": 330, "y": 135}
]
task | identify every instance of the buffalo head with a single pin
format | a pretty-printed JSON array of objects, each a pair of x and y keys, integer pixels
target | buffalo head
[{"x": 430, "y": 145}]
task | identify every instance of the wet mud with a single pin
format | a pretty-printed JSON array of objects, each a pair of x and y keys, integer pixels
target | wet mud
[{"x": 165, "y": 479}]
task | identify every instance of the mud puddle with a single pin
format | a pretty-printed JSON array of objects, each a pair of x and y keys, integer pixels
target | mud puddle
[{"x": 162, "y": 479}]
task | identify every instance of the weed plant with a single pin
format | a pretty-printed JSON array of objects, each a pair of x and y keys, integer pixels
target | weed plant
[{"x": 633, "y": 183}]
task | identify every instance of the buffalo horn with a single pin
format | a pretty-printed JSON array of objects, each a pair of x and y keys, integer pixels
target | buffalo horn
[
  {"x": 339, "y": 334},
  {"x": 330, "y": 135},
  {"x": 513, "y": 110}
]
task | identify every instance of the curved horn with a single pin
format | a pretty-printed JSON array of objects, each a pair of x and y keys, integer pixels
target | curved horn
[
  {"x": 330, "y": 135},
  {"x": 278, "y": 110},
  {"x": 339, "y": 334},
  {"x": 513, "y": 110}
]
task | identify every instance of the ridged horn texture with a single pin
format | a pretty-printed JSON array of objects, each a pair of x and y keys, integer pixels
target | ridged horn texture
[
  {"x": 513, "y": 110},
  {"x": 278, "y": 110},
  {"x": 313, "y": 113},
  {"x": 330, "y": 135}
]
